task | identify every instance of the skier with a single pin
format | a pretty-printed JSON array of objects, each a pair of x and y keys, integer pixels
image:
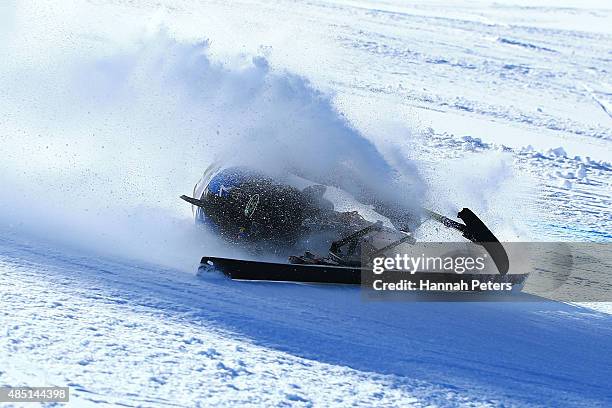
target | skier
[{"x": 247, "y": 206}]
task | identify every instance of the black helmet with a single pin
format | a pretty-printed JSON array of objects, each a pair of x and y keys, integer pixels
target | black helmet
[{"x": 243, "y": 204}]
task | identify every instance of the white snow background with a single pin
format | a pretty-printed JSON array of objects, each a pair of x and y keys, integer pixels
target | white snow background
[{"x": 109, "y": 110}]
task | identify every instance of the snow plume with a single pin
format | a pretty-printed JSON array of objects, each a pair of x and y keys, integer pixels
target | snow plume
[
  {"x": 99, "y": 137},
  {"x": 487, "y": 183}
]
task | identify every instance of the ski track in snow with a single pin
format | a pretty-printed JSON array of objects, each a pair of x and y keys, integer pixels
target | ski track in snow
[{"x": 480, "y": 77}]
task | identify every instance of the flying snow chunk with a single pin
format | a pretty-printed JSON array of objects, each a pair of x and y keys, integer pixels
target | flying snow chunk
[{"x": 559, "y": 152}]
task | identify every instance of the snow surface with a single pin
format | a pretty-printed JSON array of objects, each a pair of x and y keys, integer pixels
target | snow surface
[
  {"x": 145, "y": 336},
  {"x": 112, "y": 109}
]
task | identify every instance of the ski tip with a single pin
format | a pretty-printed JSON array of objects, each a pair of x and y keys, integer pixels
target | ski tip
[{"x": 193, "y": 201}]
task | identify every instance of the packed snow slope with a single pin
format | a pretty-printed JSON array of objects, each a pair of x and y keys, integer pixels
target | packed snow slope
[
  {"x": 139, "y": 335},
  {"x": 112, "y": 109}
]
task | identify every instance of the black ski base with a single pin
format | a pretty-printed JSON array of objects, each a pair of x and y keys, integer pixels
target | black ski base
[
  {"x": 307, "y": 273},
  {"x": 284, "y": 272}
]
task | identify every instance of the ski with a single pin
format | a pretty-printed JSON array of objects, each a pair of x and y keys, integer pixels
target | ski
[{"x": 240, "y": 269}]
